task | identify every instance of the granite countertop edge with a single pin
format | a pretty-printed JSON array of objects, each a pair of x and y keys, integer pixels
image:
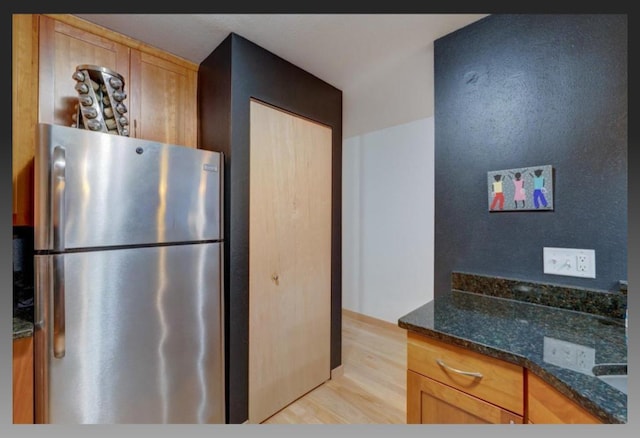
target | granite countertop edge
[
  {"x": 22, "y": 328},
  {"x": 517, "y": 359}
]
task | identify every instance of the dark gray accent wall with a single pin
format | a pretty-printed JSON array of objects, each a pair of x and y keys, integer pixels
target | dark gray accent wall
[
  {"x": 236, "y": 71},
  {"x": 526, "y": 90}
]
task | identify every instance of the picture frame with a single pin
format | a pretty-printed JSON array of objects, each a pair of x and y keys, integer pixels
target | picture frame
[{"x": 521, "y": 189}]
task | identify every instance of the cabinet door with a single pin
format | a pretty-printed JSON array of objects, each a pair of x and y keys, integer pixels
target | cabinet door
[
  {"x": 163, "y": 100},
  {"x": 23, "y": 381},
  {"x": 62, "y": 48},
  {"x": 24, "y": 57},
  {"x": 430, "y": 402},
  {"x": 289, "y": 258},
  {"x": 548, "y": 406},
  {"x": 501, "y": 383}
]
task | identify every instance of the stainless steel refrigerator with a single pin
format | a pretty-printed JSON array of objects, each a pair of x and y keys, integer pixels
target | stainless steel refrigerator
[{"x": 128, "y": 271}]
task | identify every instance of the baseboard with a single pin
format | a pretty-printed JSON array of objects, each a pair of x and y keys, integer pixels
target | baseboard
[
  {"x": 337, "y": 372},
  {"x": 373, "y": 321}
]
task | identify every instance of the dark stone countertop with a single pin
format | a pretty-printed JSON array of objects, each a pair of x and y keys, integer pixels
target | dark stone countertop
[
  {"x": 22, "y": 322},
  {"x": 22, "y": 328},
  {"x": 515, "y": 331}
]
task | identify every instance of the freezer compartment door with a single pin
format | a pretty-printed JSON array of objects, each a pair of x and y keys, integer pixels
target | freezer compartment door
[
  {"x": 98, "y": 190},
  {"x": 139, "y": 338}
]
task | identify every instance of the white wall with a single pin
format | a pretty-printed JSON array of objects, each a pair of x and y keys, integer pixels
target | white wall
[
  {"x": 394, "y": 93},
  {"x": 387, "y": 220},
  {"x": 387, "y": 182}
]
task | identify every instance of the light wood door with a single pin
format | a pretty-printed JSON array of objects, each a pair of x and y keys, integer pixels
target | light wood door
[
  {"x": 431, "y": 402},
  {"x": 163, "y": 98},
  {"x": 373, "y": 387},
  {"x": 23, "y": 381},
  {"x": 62, "y": 48},
  {"x": 289, "y": 258}
]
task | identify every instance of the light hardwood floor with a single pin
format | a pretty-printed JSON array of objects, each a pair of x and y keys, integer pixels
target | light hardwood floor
[{"x": 372, "y": 389}]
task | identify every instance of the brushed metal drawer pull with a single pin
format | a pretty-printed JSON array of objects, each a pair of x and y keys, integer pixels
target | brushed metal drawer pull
[{"x": 464, "y": 373}]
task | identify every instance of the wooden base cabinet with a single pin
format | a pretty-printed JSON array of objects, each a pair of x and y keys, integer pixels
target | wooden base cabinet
[
  {"x": 23, "y": 381},
  {"x": 548, "y": 406},
  {"x": 447, "y": 384},
  {"x": 431, "y": 402}
]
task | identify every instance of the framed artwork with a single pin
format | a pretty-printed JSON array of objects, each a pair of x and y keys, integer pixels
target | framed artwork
[{"x": 521, "y": 189}]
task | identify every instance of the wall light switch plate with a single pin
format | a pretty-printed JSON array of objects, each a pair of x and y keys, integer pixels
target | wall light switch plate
[{"x": 570, "y": 261}]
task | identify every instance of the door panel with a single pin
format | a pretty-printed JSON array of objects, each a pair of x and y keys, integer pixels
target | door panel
[
  {"x": 143, "y": 333},
  {"x": 23, "y": 380},
  {"x": 163, "y": 100},
  {"x": 62, "y": 48},
  {"x": 124, "y": 191},
  {"x": 24, "y": 114},
  {"x": 549, "y": 406},
  {"x": 431, "y": 402},
  {"x": 289, "y": 258}
]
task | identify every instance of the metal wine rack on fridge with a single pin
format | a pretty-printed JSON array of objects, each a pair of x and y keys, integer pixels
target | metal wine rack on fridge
[{"x": 101, "y": 98}]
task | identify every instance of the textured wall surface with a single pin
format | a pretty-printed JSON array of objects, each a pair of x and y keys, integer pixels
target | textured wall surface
[{"x": 527, "y": 90}]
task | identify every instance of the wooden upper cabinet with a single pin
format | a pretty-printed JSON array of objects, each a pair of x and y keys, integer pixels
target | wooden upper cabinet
[
  {"x": 163, "y": 100},
  {"x": 24, "y": 90},
  {"x": 62, "y": 48},
  {"x": 161, "y": 88}
]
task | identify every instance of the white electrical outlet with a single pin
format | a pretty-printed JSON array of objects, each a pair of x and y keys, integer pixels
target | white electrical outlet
[
  {"x": 569, "y": 355},
  {"x": 582, "y": 263},
  {"x": 570, "y": 261}
]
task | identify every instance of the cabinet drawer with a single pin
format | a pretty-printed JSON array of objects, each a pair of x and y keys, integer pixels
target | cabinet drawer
[
  {"x": 502, "y": 383},
  {"x": 431, "y": 402}
]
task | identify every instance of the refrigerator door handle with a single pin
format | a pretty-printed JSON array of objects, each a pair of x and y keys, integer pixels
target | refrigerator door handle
[
  {"x": 58, "y": 202},
  {"x": 58, "y": 307}
]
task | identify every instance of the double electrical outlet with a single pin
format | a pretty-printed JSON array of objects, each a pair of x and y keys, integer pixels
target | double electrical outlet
[
  {"x": 569, "y": 355},
  {"x": 570, "y": 261}
]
